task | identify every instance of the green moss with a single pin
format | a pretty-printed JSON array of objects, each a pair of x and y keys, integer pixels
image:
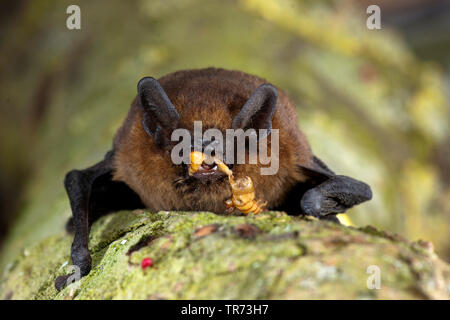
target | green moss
[{"x": 207, "y": 256}]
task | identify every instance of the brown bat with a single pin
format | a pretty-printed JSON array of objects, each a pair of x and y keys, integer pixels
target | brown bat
[{"x": 139, "y": 173}]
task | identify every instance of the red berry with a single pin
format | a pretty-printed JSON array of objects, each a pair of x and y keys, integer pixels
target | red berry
[{"x": 146, "y": 262}]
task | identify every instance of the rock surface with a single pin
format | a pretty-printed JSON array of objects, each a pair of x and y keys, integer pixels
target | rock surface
[{"x": 207, "y": 256}]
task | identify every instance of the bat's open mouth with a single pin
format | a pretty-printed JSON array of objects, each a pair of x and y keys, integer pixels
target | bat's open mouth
[
  {"x": 207, "y": 170},
  {"x": 207, "y": 167},
  {"x": 242, "y": 188}
]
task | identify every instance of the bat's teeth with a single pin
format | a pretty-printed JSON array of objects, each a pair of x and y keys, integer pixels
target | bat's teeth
[
  {"x": 207, "y": 169},
  {"x": 208, "y": 166}
]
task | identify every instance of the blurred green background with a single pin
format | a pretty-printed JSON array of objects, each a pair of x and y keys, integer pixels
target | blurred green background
[{"x": 373, "y": 103}]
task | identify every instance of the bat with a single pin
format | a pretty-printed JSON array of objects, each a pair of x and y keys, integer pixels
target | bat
[{"x": 139, "y": 171}]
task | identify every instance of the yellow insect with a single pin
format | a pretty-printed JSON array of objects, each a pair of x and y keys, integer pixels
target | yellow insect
[{"x": 243, "y": 191}]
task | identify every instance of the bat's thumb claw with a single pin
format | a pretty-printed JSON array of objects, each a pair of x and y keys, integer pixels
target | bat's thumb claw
[{"x": 61, "y": 282}]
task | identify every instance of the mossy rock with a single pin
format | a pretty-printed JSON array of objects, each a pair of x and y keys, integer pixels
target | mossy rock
[{"x": 208, "y": 256}]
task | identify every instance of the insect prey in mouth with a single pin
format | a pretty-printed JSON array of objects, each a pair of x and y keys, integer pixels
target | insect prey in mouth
[{"x": 243, "y": 191}]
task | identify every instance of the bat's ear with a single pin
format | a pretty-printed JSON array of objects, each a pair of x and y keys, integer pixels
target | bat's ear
[
  {"x": 159, "y": 115},
  {"x": 258, "y": 111}
]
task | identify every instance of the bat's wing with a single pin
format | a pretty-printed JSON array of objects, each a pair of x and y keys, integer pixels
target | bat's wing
[{"x": 93, "y": 193}]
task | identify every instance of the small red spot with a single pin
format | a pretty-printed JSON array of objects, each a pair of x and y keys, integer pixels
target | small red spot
[
  {"x": 367, "y": 73},
  {"x": 146, "y": 262}
]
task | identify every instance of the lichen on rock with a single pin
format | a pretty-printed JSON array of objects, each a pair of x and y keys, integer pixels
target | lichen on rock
[{"x": 201, "y": 255}]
